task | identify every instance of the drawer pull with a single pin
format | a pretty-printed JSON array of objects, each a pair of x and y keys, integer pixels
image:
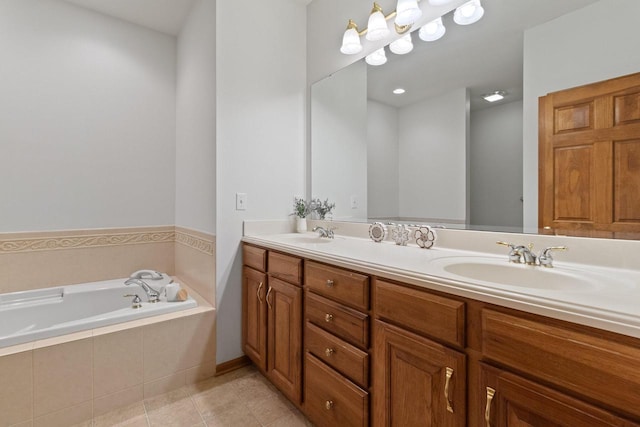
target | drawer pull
[
  {"x": 449, "y": 374},
  {"x": 267, "y": 297},
  {"x": 487, "y": 410},
  {"x": 328, "y": 317},
  {"x": 329, "y": 351},
  {"x": 329, "y": 283},
  {"x": 258, "y": 292},
  {"x": 328, "y": 405}
]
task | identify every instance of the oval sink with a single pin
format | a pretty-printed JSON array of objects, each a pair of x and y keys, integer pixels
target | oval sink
[
  {"x": 503, "y": 273},
  {"x": 304, "y": 239}
]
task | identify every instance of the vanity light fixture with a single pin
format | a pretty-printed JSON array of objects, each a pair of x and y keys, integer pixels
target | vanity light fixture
[
  {"x": 497, "y": 95},
  {"x": 351, "y": 40},
  {"x": 402, "y": 45},
  {"x": 468, "y": 13},
  {"x": 432, "y": 31},
  {"x": 398, "y": 91},
  {"x": 377, "y": 28},
  {"x": 408, "y": 12},
  {"x": 376, "y": 58}
]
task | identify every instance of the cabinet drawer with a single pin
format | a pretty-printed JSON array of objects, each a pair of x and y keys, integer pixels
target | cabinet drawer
[
  {"x": 254, "y": 257},
  {"x": 348, "y": 324},
  {"x": 344, "y": 358},
  {"x": 332, "y": 400},
  {"x": 337, "y": 284},
  {"x": 285, "y": 267},
  {"x": 604, "y": 370},
  {"x": 433, "y": 315}
]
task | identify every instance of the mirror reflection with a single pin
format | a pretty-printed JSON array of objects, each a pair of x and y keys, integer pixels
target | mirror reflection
[{"x": 439, "y": 153}]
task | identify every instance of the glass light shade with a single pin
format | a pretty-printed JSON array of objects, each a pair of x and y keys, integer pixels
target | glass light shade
[
  {"x": 439, "y": 2},
  {"x": 402, "y": 45},
  {"x": 351, "y": 42},
  {"x": 408, "y": 12},
  {"x": 432, "y": 31},
  {"x": 376, "y": 58},
  {"x": 377, "y": 28},
  {"x": 468, "y": 13}
]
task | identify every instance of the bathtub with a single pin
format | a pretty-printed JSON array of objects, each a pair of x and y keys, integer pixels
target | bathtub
[{"x": 43, "y": 313}]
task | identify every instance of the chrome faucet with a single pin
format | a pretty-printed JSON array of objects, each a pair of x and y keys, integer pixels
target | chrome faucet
[
  {"x": 324, "y": 232},
  {"x": 524, "y": 254},
  {"x": 152, "y": 294}
]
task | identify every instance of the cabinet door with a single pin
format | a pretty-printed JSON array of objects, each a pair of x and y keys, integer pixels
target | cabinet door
[
  {"x": 416, "y": 381},
  {"x": 254, "y": 318},
  {"x": 285, "y": 337},
  {"x": 515, "y": 402}
]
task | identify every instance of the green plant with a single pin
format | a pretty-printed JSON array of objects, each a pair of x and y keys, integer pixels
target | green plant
[
  {"x": 301, "y": 208},
  {"x": 322, "y": 208}
]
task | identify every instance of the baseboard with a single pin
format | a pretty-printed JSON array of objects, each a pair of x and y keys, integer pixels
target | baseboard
[{"x": 232, "y": 365}]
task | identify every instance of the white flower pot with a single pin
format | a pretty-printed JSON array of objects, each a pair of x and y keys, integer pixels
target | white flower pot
[{"x": 301, "y": 225}]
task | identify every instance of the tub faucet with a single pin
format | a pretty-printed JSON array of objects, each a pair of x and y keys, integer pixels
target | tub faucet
[{"x": 152, "y": 294}]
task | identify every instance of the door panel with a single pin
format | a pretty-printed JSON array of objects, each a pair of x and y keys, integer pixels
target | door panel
[{"x": 254, "y": 327}]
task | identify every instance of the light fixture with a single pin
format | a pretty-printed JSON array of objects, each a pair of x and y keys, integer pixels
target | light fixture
[
  {"x": 402, "y": 45},
  {"x": 377, "y": 28},
  {"x": 407, "y": 12},
  {"x": 432, "y": 31},
  {"x": 497, "y": 95},
  {"x": 468, "y": 13},
  {"x": 376, "y": 58},
  {"x": 398, "y": 91},
  {"x": 351, "y": 40}
]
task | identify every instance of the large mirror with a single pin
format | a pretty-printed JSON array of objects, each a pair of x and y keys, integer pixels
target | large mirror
[{"x": 439, "y": 153}]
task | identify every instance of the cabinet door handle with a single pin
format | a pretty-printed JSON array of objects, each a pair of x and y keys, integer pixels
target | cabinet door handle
[
  {"x": 329, "y": 283},
  {"x": 487, "y": 410},
  {"x": 328, "y": 352},
  {"x": 328, "y": 317},
  {"x": 267, "y": 297},
  {"x": 258, "y": 292},
  {"x": 448, "y": 374},
  {"x": 328, "y": 404}
]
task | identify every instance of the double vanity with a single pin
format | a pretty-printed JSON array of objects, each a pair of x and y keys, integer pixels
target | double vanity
[{"x": 361, "y": 333}]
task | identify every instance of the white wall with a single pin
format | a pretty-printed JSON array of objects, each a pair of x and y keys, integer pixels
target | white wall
[
  {"x": 339, "y": 141},
  {"x": 383, "y": 195},
  {"x": 432, "y": 157},
  {"x": 87, "y": 128},
  {"x": 195, "y": 205},
  {"x": 495, "y": 167},
  {"x": 261, "y": 111},
  {"x": 595, "y": 43}
]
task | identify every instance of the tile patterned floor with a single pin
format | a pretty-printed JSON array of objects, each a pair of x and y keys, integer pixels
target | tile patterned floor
[{"x": 242, "y": 398}]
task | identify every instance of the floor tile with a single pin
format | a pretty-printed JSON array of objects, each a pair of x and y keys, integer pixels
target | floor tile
[
  {"x": 173, "y": 409},
  {"x": 129, "y": 416}
]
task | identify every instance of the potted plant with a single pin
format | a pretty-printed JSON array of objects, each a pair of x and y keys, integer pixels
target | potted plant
[
  {"x": 322, "y": 208},
  {"x": 301, "y": 209}
]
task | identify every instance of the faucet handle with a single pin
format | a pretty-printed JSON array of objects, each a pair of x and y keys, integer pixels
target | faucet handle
[
  {"x": 545, "y": 257},
  {"x": 514, "y": 253},
  {"x": 136, "y": 302}
]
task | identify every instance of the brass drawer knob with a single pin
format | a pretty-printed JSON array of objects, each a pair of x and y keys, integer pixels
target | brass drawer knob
[
  {"x": 329, "y": 351},
  {"x": 329, "y": 283},
  {"x": 328, "y": 317},
  {"x": 328, "y": 405}
]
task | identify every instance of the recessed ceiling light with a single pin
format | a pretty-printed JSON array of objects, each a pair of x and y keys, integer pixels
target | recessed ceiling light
[
  {"x": 399, "y": 91},
  {"x": 495, "y": 96}
]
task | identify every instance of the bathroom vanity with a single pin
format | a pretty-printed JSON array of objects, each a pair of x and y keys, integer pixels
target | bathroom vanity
[{"x": 358, "y": 333}]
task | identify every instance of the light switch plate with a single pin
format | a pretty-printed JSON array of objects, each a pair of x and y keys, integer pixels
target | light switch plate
[{"x": 241, "y": 201}]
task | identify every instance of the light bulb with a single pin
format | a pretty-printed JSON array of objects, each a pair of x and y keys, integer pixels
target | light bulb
[
  {"x": 351, "y": 40},
  {"x": 432, "y": 31},
  {"x": 468, "y": 13},
  {"x": 377, "y": 28}
]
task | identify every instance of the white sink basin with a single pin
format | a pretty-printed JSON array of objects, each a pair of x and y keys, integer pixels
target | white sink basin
[
  {"x": 302, "y": 239},
  {"x": 503, "y": 273}
]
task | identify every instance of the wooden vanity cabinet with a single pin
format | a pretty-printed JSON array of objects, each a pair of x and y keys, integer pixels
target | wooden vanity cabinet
[
  {"x": 272, "y": 317},
  {"x": 336, "y": 341}
]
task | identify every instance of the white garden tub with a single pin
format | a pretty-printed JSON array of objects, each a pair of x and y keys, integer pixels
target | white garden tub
[{"x": 32, "y": 315}]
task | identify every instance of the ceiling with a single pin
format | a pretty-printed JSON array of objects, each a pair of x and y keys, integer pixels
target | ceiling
[
  {"x": 484, "y": 57},
  {"x": 165, "y": 16}
]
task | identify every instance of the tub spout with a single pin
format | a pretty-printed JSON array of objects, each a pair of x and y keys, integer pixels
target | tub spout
[{"x": 152, "y": 294}]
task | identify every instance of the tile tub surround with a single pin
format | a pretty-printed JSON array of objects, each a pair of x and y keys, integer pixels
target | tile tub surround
[
  {"x": 33, "y": 260},
  {"x": 606, "y": 307},
  {"x": 73, "y": 378}
]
